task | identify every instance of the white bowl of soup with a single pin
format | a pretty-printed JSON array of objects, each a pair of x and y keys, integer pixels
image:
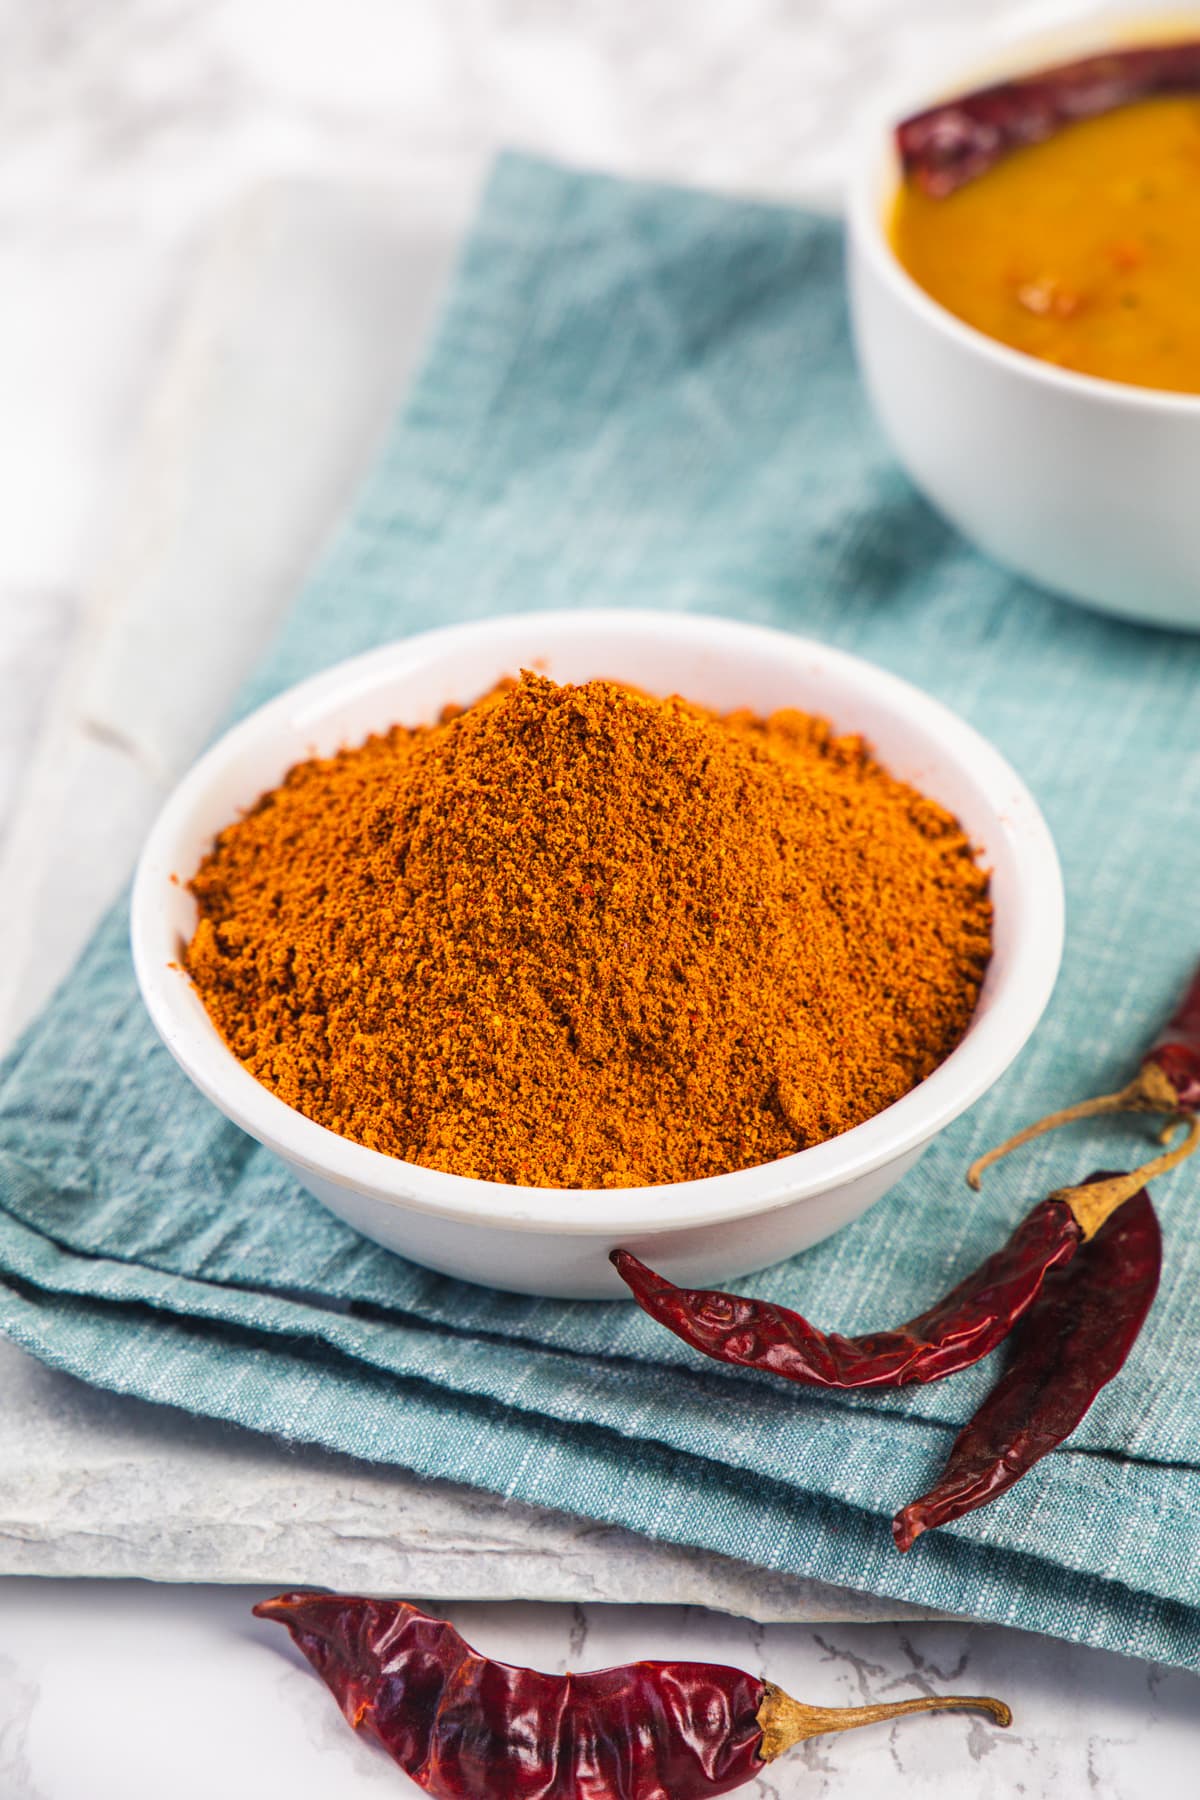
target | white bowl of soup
[{"x": 1029, "y": 331}]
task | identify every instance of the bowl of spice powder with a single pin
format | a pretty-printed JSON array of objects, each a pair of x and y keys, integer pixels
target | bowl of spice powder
[{"x": 523, "y": 939}]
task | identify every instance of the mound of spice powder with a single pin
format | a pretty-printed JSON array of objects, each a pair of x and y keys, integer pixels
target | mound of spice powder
[{"x": 580, "y": 937}]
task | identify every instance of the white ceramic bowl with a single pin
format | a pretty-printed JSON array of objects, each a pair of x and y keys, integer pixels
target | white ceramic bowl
[
  {"x": 550, "y": 1241},
  {"x": 1086, "y": 486}
]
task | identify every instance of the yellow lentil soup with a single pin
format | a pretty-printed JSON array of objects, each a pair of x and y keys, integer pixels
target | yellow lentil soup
[{"x": 1082, "y": 250}]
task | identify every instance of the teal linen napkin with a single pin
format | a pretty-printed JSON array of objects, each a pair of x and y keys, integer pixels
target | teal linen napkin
[{"x": 639, "y": 396}]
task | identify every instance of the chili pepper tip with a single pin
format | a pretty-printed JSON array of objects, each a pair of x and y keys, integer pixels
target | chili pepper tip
[
  {"x": 908, "y": 1526},
  {"x": 280, "y": 1605}
]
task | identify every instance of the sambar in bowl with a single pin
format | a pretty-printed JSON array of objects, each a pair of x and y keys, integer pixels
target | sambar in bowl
[{"x": 1024, "y": 262}]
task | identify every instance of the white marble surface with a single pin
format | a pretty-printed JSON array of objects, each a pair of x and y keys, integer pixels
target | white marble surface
[
  {"x": 221, "y": 1704},
  {"x": 133, "y": 139}
]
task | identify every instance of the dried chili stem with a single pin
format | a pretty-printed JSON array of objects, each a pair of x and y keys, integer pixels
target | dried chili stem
[
  {"x": 1149, "y": 1091},
  {"x": 1096, "y": 1201},
  {"x": 1168, "y": 1081},
  {"x": 786, "y": 1722}
]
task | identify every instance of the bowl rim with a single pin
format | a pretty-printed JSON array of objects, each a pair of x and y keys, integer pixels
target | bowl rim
[
  {"x": 997, "y": 1033},
  {"x": 1007, "y": 52}
]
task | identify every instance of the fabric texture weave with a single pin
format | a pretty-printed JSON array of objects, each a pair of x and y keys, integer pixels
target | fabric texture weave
[{"x": 640, "y": 396}]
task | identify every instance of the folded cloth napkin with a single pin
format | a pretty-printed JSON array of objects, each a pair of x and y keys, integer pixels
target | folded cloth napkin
[{"x": 640, "y": 396}]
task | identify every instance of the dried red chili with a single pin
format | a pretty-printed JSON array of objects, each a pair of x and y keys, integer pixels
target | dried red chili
[
  {"x": 1168, "y": 1081},
  {"x": 467, "y": 1728},
  {"x": 951, "y": 143},
  {"x": 972, "y": 1319},
  {"x": 967, "y": 1325},
  {"x": 1070, "y": 1345}
]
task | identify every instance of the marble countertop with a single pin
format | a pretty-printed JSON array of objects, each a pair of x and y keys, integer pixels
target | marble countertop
[
  {"x": 125, "y": 1691},
  {"x": 144, "y": 158}
]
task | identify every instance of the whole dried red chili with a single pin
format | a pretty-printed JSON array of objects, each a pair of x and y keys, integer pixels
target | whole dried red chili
[
  {"x": 467, "y": 1728},
  {"x": 967, "y": 1325},
  {"x": 972, "y": 1319},
  {"x": 951, "y": 143},
  {"x": 1070, "y": 1345},
  {"x": 1168, "y": 1081}
]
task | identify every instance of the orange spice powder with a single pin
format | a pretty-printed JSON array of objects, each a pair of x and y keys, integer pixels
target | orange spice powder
[{"x": 580, "y": 937}]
